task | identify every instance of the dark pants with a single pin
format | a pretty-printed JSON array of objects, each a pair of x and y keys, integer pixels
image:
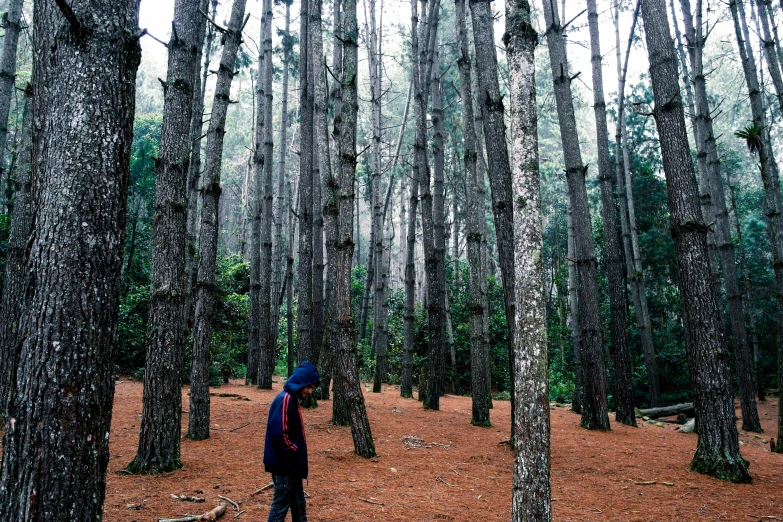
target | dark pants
[{"x": 288, "y": 493}]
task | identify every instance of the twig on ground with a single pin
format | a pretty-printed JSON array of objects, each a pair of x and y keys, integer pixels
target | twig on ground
[
  {"x": 235, "y": 505},
  {"x": 765, "y": 517},
  {"x": 256, "y": 492},
  {"x": 237, "y": 515},
  {"x": 645, "y": 483},
  {"x": 440, "y": 479},
  {"x": 187, "y": 498},
  {"x": 371, "y": 501},
  {"x": 667, "y": 483},
  {"x": 212, "y": 515}
]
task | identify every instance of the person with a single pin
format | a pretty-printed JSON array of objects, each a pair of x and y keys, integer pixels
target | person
[{"x": 285, "y": 445}]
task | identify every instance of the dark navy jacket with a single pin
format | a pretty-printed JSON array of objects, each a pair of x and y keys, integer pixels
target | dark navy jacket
[{"x": 285, "y": 447}]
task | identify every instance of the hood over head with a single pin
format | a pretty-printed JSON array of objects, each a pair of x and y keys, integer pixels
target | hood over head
[{"x": 304, "y": 375}]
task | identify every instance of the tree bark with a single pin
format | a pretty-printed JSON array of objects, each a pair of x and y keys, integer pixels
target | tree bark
[
  {"x": 305, "y": 219},
  {"x": 206, "y": 286},
  {"x": 13, "y": 26},
  {"x": 531, "y": 490},
  {"x": 707, "y": 149},
  {"x": 56, "y": 450},
  {"x": 263, "y": 166},
  {"x": 635, "y": 275},
  {"x": 594, "y": 408},
  {"x": 159, "y": 434},
  {"x": 409, "y": 315},
  {"x": 22, "y": 221},
  {"x": 194, "y": 168},
  {"x": 316, "y": 69},
  {"x": 499, "y": 167},
  {"x": 474, "y": 189},
  {"x": 439, "y": 216},
  {"x": 623, "y": 380},
  {"x": 422, "y": 71},
  {"x": 345, "y": 133},
  {"x": 278, "y": 253},
  {"x": 717, "y": 451},
  {"x": 256, "y": 313}
]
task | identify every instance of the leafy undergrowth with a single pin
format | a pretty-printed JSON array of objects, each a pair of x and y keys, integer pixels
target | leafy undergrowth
[{"x": 433, "y": 465}]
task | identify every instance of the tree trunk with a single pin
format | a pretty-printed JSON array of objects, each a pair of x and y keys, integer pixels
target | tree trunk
[
  {"x": 368, "y": 280},
  {"x": 422, "y": 72},
  {"x": 717, "y": 451},
  {"x": 409, "y": 315},
  {"x": 206, "y": 286},
  {"x": 263, "y": 161},
  {"x": 159, "y": 434},
  {"x": 623, "y": 380},
  {"x": 531, "y": 490},
  {"x": 278, "y": 256},
  {"x": 340, "y": 414},
  {"x": 22, "y": 221},
  {"x": 376, "y": 230},
  {"x": 499, "y": 167},
  {"x": 289, "y": 273},
  {"x": 55, "y": 448},
  {"x": 13, "y": 26},
  {"x": 315, "y": 69},
  {"x": 594, "y": 407},
  {"x": 345, "y": 133},
  {"x": 439, "y": 215},
  {"x": 707, "y": 148},
  {"x": 257, "y": 320},
  {"x": 474, "y": 190},
  {"x": 635, "y": 275},
  {"x": 194, "y": 168}
]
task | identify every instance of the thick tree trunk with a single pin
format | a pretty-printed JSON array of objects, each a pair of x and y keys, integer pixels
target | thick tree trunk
[
  {"x": 13, "y": 26},
  {"x": 531, "y": 490},
  {"x": 322, "y": 195},
  {"x": 315, "y": 69},
  {"x": 55, "y": 449},
  {"x": 717, "y": 451},
  {"x": 345, "y": 134},
  {"x": 623, "y": 380},
  {"x": 422, "y": 72},
  {"x": 707, "y": 149},
  {"x": 206, "y": 287},
  {"x": 263, "y": 163},
  {"x": 439, "y": 217},
  {"x": 368, "y": 279},
  {"x": 340, "y": 414},
  {"x": 159, "y": 436},
  {"x": 474, "y": 189},
  {"x": 594, "y": 408},
  {"x": 499, "y": 167},
  {"x": 634, "y": 275},
  {"x": 22, "y": 221},
  {"x": 305, "y": 219}
]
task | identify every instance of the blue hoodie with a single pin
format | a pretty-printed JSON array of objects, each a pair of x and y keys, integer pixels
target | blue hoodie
[{"x": 285, "y": 446}]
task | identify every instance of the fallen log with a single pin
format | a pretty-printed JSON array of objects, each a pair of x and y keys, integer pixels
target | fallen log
[
  {"x": 209, "y": 516},
  {"x": 666, "y": 411}
]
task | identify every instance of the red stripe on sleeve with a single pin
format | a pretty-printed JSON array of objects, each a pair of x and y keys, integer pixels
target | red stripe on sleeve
[{"x": 287, "y": 441}]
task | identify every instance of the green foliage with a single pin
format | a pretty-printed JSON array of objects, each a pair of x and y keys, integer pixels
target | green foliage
[{"x": 753, "y": 136}]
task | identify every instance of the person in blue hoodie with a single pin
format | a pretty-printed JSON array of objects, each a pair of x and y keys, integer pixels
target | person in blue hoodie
[{"x": 285, "y": 446}]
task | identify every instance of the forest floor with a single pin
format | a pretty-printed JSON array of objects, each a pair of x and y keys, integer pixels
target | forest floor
[{"x": 433, "y": 465}]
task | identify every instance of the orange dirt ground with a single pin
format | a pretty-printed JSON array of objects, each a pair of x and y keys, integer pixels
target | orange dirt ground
[{"x": 460, "y": 472}]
